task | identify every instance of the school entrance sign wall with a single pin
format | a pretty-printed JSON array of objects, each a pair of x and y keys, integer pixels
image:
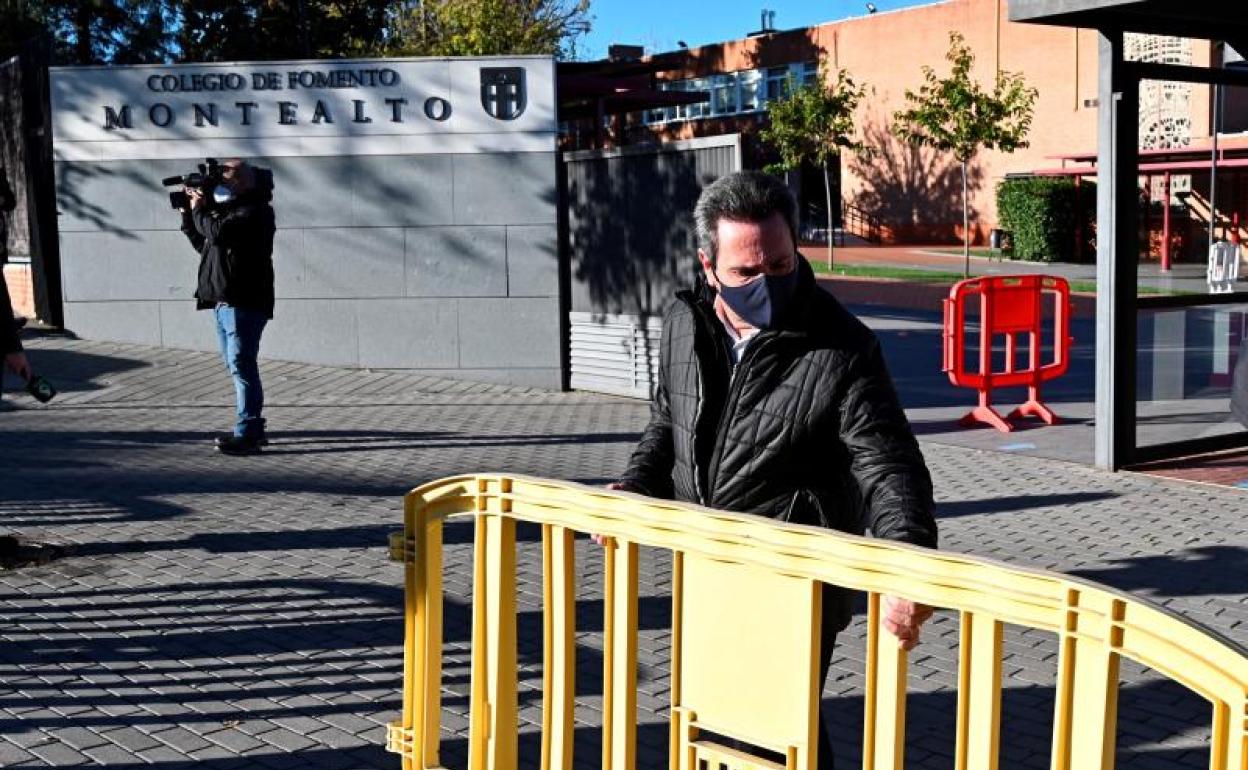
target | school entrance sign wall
[
  {"x": 331, "y": 107},
  {"x": 416, "y": 207}
]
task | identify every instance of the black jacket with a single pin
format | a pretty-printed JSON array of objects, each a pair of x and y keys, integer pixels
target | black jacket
[
  {"x": 235, "y": 244},
  {"x": 10, "y": 340},
  {"x": 808, "y": 430}
]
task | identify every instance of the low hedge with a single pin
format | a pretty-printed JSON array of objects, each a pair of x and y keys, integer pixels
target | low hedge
[{"x": 1041, "y": 217}]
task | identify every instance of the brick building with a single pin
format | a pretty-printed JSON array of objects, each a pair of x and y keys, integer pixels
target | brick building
[{"x": 916, "y": 193}]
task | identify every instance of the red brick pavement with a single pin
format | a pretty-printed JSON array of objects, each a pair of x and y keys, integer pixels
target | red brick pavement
[{"x": 1224, "y": 469}]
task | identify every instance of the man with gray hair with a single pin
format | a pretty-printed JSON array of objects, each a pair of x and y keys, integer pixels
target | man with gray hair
[{"x": 773, "y": 399}]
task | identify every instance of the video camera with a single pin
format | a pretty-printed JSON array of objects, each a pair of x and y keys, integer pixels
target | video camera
[
  {"x": 205, "y": 178},
  {"x": 208, "y": 176}
]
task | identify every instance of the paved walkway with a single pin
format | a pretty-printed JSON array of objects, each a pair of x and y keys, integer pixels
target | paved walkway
[{"x": 224, "y": 612}]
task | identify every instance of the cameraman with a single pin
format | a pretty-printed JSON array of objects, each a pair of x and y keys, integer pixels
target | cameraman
[{"x": 231, "y": 225}]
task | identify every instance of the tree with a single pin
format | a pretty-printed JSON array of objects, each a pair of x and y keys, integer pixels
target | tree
[
  {"x": 954, "y": 114},
  {"x": 106, "y": 31},
  {"x": 19, "y": 21},
  {"x": 487, "y": 27},
  {"x": 241, "y": 30},
  {"x": 814, "y": 124}
]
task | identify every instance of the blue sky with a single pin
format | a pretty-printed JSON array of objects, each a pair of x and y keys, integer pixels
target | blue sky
[{"x": 658, "y": 24}]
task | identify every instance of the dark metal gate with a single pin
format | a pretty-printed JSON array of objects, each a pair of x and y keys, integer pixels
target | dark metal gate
[{"x": 629, "y": 242}]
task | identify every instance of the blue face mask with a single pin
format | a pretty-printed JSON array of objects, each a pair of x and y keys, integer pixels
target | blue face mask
[
  {"x": 761, "y": 301},
  {"x": 222, "y": 194}
]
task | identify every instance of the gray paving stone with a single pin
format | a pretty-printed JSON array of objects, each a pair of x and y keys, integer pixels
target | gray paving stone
[
  {"x": 244, "y": 608},
  {"x": 131, "y": 739},
  {"x": 58, "y": 754},
  {"x": 11, "y": 754}
]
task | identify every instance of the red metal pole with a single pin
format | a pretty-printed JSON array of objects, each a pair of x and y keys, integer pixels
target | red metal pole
[
  {"x": 1148, "y": 217},
  {"x": 1235, "y": 227},
  {"x": 1165, "y": 225}
]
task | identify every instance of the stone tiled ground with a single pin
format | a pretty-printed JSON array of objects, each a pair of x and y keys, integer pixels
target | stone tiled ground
[{"x": 241, "y": 612}]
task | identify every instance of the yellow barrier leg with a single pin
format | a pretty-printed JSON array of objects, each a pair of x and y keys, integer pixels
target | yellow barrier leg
[
  {"x": 619, "y": 694},
  {"x": 1085, "y": 722},
  {"x": 1229, "y": 749},
  {"x": 979, "y": 693},
  {"x": 493, "y": 717},
  {"x": 678, "y": 729},
  {"x": 559, "y": 647},
  {"x": 884, "y": 724}
]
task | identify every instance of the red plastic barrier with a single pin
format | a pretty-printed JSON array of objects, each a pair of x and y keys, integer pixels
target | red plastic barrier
[{"x": 1009, "y": 306}]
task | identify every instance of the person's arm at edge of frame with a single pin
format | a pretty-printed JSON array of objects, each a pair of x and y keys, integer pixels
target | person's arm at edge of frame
[
  {"x": 892, "y": 476},
  {"x": 11, "y": 344}
]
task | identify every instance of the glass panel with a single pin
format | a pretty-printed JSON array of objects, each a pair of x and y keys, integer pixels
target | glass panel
[
  {"x": 749, "y": 90},
  {"x": 776, "y": 80},
  {"x": 1187, "y": 360},
  {"x": 809, "y": 73}
]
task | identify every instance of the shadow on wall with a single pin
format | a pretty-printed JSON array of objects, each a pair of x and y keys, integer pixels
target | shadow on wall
[
  {"x": 915, "y": 191},
  {"x": 70, "y": 199},
  {"x": 631, "y": 231}
]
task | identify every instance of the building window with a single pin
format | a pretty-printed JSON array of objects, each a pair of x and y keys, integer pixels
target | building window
[
  {"x": 733, "y": 93},
  {"x": 749, "y": 81},
  {"x": 724, "y": 94}
]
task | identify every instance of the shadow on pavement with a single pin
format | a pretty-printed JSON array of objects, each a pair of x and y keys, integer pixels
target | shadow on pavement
[
  {"x": 73, "y": 371},
  {"x": 1009, "y": 504},
  {"x": 1202, "y": 571}
]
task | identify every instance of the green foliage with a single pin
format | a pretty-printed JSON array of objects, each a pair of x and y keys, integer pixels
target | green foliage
[
  {"x": 1040, "y": 214},
  {"x": 487, "y": 27},
  {"x": 955, "y": 114},
  {"x": 138, "y": 31},
  {"x": 90, "y": 31},
  {"x": 18, "y": 22},
  {"x": 813, "y": 123},
  {"x": 259, "y": 30}
]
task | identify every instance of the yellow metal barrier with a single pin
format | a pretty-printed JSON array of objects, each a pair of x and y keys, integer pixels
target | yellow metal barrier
[{"x": 745, "y": 635}]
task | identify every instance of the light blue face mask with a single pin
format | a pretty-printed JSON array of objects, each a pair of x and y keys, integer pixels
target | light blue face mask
[{"x": 222, "y": 194}]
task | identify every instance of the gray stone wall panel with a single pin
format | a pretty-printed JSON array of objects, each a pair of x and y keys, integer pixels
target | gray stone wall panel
[
  {"x": 456, "y": 262},
  {"x": 380, "y": 261},
  {"x": 133, "y": 322},
  {"x": 532, "y": 261},
  {"x": 508, "y": 333},
  {"x": 184, "y": 327},
  {"x": 117, "y": 196},
  {"x": 505, "y": 188},
  {"x": 412, "y": 190},
  {"x": 349, "y": 263},
  {"x": 314, "y": 331},
  {"x": 130, "y": 265},
  {"x": 409, "y": 334}
]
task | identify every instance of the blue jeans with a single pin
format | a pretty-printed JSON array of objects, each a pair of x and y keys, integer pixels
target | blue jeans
[{"x": 239, "y": 331}]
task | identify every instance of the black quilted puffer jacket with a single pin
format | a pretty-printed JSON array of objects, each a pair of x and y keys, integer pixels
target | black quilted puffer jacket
[{"x": 808, "y": 429}]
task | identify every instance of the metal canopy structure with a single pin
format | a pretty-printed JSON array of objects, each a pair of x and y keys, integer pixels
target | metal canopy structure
[
  {"x": 598, "y": 90},
  {"x": 1118, "y": 156}
]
